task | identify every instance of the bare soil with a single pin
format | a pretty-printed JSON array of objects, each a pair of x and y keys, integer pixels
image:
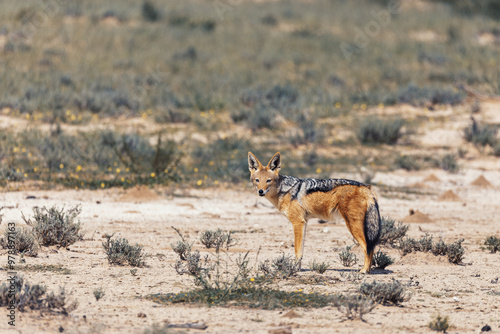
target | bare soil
[{"x": 469, "y": 294}]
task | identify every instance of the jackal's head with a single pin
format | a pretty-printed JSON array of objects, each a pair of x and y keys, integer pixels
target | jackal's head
[{"x": 264, "y": 178}]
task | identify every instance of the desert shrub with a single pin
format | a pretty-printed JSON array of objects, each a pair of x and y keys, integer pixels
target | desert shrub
[
  {"x": 35, "y": 297},
  {"x": 181, "y": 247},
  {"x": 455, "y": 252},
  {"x": 391, "y": 232},
  {"x": 120, "y": 252},
  {"x": 310, "y": 132},
  {"x": 449, "y": 163},
  {"x": 217, "y": 239},
  {"x": 425, "y": 244},
  {"x": 496, "y": 149},
  {"x": 347, "y": 258},
  {"x": 420, "y": 96},
  {"x": 320, "y": 267},
  {"x": 382, "y": 260},
  {"x": 489, "y": 8},
  {"x": 439, "y": 248},
  {"x": 407, "y": 246},
  {"x": 439, "y": 324},
  {"x": 21, "y": 240},
  {"x": 56, "y": 226},
  {"x": 492, "y": 243},
  {"x": 385, "y": 293},
  {"x": 99, "y": 293},
  {"x": 408, "y": 162},
  {"x": 479, "y": 134},
  {"x": 354, "y": 305},
  {"x": 380, "y": 131},
  {"x": 280, "y": 267},
  {"x": 150, "y": 12}
]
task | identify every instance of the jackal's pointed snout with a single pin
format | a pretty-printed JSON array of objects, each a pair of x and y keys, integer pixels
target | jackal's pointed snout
[{"x": 261, "y": 192}]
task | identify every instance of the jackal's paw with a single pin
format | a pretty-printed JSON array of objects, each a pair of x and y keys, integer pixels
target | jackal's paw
[{"x": 364, "y": 271}]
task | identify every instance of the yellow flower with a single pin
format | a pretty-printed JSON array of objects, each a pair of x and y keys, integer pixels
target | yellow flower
[
  {"x": 61, "y": 166},
  {"x": 23, "y": 150},
  {"x": 252, "y": 279},
  {"x": 205, "y": 177},
  {"x": 102, "y": 185},
  {"x": 211, "y": 163},
  {"x": 144, "y": 115},
  {"x": 118, "y": 170},
  {"x": 122, "y": 179},
  {"x": 318, "y": 170},
  {"x": 153, "y": 174},
  {"x": 199, "y": 182},
  {"x": 338, "y": 105},
  {"x": 195, "y": 170},
  {"x": 16, "y": 149},
  {"x": 363, "y": 106},
  {"x": 216, "y": 182},
  {"x": 78, "y": 168},
  {"x": 25, "y": 174},
  {"x": 381, "y": 105}
]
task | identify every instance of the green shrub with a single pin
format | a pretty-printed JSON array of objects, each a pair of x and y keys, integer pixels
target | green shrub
[
  {"x": 280, "y": 267},
  {"x": 439, "y": 324},
  {"x": 99, "y": 293},
  {"x": 382, "y": 260},
  {"x": 439, "y": 248},
  {"x": 420, "y": 96},
  {"x": 150, "y": 12},
  {"x": 492, "y": 243},
  {"x": 391, "y": 232},
  {"x": 379, "y": 131},
  {"x": 449, "y": 163},
  {"x": 455, "y": 252},
  {"x": 56, "y": 226},
  {"x": 385, "y": 293},
  {"x": 347, "y": 258},
  {"x": 408, "y": 162},
  {"x": 320, "y": 267},
  {"x": 120, "y": 252}
]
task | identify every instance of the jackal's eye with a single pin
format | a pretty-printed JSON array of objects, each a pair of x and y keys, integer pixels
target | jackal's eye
[
  {"x": 257, "y": 180},
  {"x": 268, "y": 181}
]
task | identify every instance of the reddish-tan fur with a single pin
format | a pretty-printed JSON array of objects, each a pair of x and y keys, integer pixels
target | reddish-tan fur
[{"x": 350, "y": 201}]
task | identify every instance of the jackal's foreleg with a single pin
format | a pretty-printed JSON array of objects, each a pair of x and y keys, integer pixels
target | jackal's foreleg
[{"x": 299, "y": 232}]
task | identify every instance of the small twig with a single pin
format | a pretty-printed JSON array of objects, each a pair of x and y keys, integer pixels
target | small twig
[{"x": 191, "y": 325}]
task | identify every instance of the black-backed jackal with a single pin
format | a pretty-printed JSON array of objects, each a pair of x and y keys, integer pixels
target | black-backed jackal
[{"x": 301, "y": 199}]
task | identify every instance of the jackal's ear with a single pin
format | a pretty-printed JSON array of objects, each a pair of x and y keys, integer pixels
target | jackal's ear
[
  {"x": 253, "y": 163},
  {"x": 275, "y": 163}
]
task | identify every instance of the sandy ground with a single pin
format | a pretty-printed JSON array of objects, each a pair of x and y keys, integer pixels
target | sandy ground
[{"x": 468, "y": 294}]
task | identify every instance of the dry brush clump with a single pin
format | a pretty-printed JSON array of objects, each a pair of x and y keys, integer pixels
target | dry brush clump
[
  {"x": 392, "y": 231},
  {"x": 120, "y": 251},
  {"x": 29, "y": 296},
  {"x": 56, "y": 226},
  {"x": 385, "y": 293},
  {"x": 347, "y": 258},
  {"x": 492, "y": 243},
  {"x": 382, "y": 260},
  {"x": 20, "y": 240},
  {"x": 354, "y": 306},
  {"x": 454, "y": 251}
]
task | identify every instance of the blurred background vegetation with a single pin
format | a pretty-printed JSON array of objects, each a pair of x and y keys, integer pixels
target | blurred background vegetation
[{"x": 96, "y": 94}]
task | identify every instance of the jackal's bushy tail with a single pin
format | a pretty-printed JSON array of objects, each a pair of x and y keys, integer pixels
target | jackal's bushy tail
[{"x": 372, "y": 226}]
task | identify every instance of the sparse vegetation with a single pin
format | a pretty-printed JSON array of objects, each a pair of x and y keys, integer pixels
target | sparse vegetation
[
  {"x": 347, "y": 258},
  {"x": 382, "y": 260},
  {"x": 453, "y": 251},
  {"x": 392, "y": 231},
  {"x": 281, "y": 267},
  {"x": 492, "y": 243},
  {"x": 120, "y": 252},
  {"x": 216, "y": 239},
  {"x": 99, "y": 293},
  {"x": 22, "y": 240},
  {"x": 385, "y": 293},
  {"x": 35, "y": 297},
  {"x": 439, "y": 323},
  {"x": 56, "y": 226},
  {"x": 320, "y": 267},
  {"x": 481, "y": 134},
  {"x": 380, "y": 131},
  {"x": 354, "y": 305}
]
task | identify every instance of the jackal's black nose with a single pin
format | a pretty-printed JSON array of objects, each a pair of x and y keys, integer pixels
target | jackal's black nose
[{"x": 261, "y": 192}]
